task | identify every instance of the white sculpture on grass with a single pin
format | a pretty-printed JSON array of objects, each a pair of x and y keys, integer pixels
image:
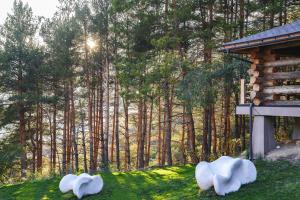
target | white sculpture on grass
[
  {"x": 84, "y": 184},
  {"x": 226, "y": 174}
]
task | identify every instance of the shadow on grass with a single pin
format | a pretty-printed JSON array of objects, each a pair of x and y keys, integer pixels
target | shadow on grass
[{"x": 276, "y": 180}]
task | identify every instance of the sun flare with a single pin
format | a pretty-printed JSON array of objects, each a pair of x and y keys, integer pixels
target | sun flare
[{"x": 91, "y": 43}]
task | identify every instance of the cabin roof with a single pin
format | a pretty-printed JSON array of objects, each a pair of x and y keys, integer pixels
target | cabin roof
[{"x": 277, "y": 35}]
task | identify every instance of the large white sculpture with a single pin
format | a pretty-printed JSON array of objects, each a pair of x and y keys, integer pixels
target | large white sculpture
[
  {"x": 226, "y": 174},
  {"x": 81, "y": 185}
]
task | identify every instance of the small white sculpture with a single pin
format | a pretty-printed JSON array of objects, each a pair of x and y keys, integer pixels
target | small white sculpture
[
  {"x": 226, "y": 174},
  {"x": 84, "y": 184}
]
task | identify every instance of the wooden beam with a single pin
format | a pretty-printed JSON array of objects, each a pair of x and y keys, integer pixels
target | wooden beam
[
  {"x": 257, "y": 101},
  {"x": 287, "y": 89},
  {"x": 254, "y": 73},
  {"x": 257, "y": 87},
  {"x": 260, "y": 80},
  {"x": 282, "y": 76},
  {"x": 280, "y": 63},
  {"x": 261, "y": 95},
  {"x": 285, "y": 111},
  {"x": 242, "y": 101},
  {"x": 282, "y": 102}
]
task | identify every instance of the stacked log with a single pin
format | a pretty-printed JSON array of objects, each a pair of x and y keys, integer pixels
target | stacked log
[
  {"x": 264, "y": 77},
  {"x": 258, "y": 72}
]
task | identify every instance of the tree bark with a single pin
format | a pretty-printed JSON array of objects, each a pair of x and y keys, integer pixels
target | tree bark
[
  {"x": 140, "y": 148},
  {"x": 82, "y": 117},
  {"x": 149, "y": 135},
  {"x": 168, "y": 150},
  {"x": 117, "y": 125},
  {"x": 159, "y": 143},
  {"x": 127, "y": 144}
]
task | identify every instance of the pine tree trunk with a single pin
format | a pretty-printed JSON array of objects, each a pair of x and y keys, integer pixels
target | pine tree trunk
[
  {"x": 140, "y": 148},
  {"x": 242, "y": 18},
  {"x": 83, "y": 138},
  {"x": 113, "y": 129},
  {"x": 73, "y": 125},
  {"x": 22, "y": 136},
  {"x": 205, "y": 134},
  {"x": 127, "y": 144},
  {"x": 117, "y": 126},
  {"x": 209, "y": 130},
  {"x": 226, "y": 120},
  {"x": 149, "y": 136},
  {"x": 107, "y": 118},
  {"x": 163, "y": 148},
  {"x": 40, "y": 137},
  {"x": 183, "y": 137},
  {"x": 68, "y": 128},
  {"x": 168, "y": 151},
  {"x": 33, "y": 143},
  {"x": 101, "y": 118},
  {"x": 189, "y": 120},
  {"x": 214, "y": 131},
  {"x": 54, "y": 148},
  {"x": 159, "y": 143},
  {"x": 64, "y": 141}
]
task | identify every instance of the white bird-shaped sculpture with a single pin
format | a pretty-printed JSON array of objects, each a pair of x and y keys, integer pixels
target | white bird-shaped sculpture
[
  {"x": 226, "y": 174},
  {"x": 81, "y": 185}
]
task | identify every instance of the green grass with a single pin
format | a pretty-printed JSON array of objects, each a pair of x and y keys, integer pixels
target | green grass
[{"x": 276, "y": 180}]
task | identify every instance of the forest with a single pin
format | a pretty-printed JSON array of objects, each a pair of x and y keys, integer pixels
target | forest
[{"x": 118, "y": 85}]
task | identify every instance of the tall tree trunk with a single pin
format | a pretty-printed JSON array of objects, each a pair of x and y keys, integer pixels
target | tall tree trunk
[
  {"x": 113, "y": 129},
  {"x": 107, "y": 118},
  {"x": 209, "y": 130},
  {"x": 272, "y": 13},
  {"x": 226, "y": 120},
  {"x": 22, "y": 134},
  {"x": 74, "y": 142},
  {"x": 90, "y": 100},
  {"x": 54, "y": 148},
  {"x": 40, "y": 138},
  {"x": 82, "y": 117},
  {"x": 189, "y": 120},
  {"x": 159, "y": 143},
  {"x": 33, "y": 143},
  {"x": 68, "y": 128},
  {"x": 163, "y": 147},
  {"x": 140, "y": 138},
  {"x": 167, "y": 141},
  {"x": 102, "y": 142},
  {"x": 183, "y": 137},
  {"x": 117, "y": 125},
  {"x": 242, "y": 18},
  {"x": 205, "y": 134},
  {"x": 214, "y": 131},
  {"x": 64, "y": 141},
  {"x": 127, "y": 144},
  {"x": 149, "y": 135}
]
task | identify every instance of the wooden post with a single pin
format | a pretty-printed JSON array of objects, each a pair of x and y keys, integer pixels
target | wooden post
[{"x": 242, "y": 100}]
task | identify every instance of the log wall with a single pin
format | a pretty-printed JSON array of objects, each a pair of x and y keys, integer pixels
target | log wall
[{"x": 268, "y": 83}]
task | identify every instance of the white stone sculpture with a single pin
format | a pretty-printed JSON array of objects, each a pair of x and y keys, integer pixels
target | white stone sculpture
[
  {"x": 226, "y": 174},
  {"x": 84, "y": 184}
]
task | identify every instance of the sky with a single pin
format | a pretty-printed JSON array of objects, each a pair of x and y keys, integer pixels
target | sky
[{"x": 45, "y": 8}]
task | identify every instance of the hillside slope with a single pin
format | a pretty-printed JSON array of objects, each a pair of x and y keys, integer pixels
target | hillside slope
[{"x": 276, "y": 180}]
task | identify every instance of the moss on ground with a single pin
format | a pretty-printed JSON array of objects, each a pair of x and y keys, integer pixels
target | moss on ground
[{"x": 276, "y": 180}]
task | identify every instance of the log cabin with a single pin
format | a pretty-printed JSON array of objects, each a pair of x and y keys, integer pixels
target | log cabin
[{"x": 274, "y": 81}]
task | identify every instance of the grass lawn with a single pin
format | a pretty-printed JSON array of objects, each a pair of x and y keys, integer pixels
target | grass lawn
[{"x": 276, "y": 180}]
